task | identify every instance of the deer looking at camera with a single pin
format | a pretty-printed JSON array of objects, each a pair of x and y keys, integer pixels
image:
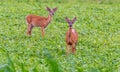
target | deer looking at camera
[
  {"x": 71, "y": 37},
  {"x": 39, "y": 21}
]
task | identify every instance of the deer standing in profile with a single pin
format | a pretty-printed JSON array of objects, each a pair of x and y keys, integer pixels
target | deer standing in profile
[
  {"x": 71, "y": 37},
  {"x": 39, "y": 21}
]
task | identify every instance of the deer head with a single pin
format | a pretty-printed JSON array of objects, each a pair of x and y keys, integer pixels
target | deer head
[
  {"x": 51, "y": 11},
  {"x": 70, "y": 22}
]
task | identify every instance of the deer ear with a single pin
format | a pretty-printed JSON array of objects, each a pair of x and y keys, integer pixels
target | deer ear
[
  {"x": 74, "y": 19},
  {"x": 55, "y": 9},
  {"x": 48, "y": 8},
  {"x": 67, "y": 20}
]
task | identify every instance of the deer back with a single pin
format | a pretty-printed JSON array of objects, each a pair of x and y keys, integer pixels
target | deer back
[{"x": 36, "y": 20}]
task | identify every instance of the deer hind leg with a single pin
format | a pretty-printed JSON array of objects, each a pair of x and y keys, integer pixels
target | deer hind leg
[
  {"x": 29, "y": 29},
  {"x": 42, "y": 30},
  {"x": 73, "y": 48}
]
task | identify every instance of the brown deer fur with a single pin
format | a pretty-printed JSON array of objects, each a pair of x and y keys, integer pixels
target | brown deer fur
[
  {"x": 71, "y": 37},
  {"x": 39, "y": 21}
]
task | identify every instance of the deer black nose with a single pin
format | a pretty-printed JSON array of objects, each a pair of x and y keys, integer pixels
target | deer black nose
[{"x": 70, "y": 25}]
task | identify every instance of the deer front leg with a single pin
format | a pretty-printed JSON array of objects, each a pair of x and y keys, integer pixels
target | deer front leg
[
  {"x": 73, "y": 48},
  {"x": 29, "y": 29},
  {"x": 42, "y": 30}
]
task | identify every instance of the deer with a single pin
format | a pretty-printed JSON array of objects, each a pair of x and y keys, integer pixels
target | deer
[
  {"x": 39, "y": 21},
  {"x": 71, "y": 37}
]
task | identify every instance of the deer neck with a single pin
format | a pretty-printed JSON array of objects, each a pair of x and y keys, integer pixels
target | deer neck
[
  {"x": 70, "y": 30},
  {"x": 49, "y": 19}
]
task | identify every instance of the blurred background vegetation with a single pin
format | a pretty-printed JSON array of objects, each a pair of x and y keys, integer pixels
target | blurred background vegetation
[{"x": 67, "y": 1}]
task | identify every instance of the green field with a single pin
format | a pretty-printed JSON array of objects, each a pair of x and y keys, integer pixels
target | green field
[{"x": 98, "y": 25}]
